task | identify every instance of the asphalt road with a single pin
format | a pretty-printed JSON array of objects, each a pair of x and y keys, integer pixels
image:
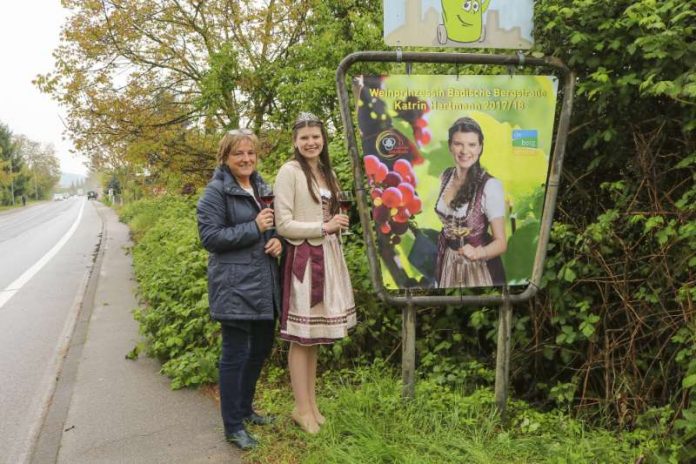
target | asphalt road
[{"x": 46, "y": 254}]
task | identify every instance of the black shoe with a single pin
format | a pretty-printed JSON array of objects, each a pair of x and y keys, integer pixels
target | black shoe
[
  {"x": 242, "y": 440},
  {"x": 258, "y": 419}
]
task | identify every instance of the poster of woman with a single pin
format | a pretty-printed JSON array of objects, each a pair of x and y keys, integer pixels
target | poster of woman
[{"x": 456, "y": 168}]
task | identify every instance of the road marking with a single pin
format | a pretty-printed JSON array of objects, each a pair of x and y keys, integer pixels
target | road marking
[{"x": 15, "y": 286}]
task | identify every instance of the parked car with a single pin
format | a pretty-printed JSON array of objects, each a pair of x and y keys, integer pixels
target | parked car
[{"x": 92, "y": 195}]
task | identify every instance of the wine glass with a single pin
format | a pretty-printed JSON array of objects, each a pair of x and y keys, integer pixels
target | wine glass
[
  {"x": 266, "y": 197},
  {"x": 345, "y": 201}
]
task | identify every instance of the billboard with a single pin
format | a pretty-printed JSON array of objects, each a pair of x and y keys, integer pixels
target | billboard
[
  {"x": 456, "y": 169},
  {"x": 459, "y": 23}
]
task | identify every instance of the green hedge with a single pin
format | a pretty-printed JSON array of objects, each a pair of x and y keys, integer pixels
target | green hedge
[{"x": 170, "y": 266}]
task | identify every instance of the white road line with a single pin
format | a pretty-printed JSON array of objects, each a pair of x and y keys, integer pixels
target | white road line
[{"x": 15, "y": 286}]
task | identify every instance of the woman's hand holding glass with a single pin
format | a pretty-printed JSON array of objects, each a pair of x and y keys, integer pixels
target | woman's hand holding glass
[
  {"x": 266, "y": 197},
  {"x": 345, "y": 201},
  {"x": 264, "y": 220},
  {"x": 336, "y": 223}
]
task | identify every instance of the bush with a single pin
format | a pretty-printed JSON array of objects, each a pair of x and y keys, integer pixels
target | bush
[{"x": 170, "y": 266}]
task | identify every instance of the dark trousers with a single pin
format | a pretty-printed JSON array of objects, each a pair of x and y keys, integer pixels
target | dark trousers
[{"x": 245, "y": 347}]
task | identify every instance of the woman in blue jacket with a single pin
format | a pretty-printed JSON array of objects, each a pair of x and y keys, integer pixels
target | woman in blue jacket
[{"x": 243, "y": 285}]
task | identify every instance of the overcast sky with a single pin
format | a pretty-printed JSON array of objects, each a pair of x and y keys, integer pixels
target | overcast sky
[{"x": 29, "y": 31}]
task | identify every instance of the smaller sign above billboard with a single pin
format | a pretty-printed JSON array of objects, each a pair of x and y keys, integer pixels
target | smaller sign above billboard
[{"x": 459, "y": 23}]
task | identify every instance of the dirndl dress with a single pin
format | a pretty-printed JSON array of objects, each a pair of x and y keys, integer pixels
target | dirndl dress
[
  {"x": 318, "y": 305},
  {"x": 467, "y": 224}
]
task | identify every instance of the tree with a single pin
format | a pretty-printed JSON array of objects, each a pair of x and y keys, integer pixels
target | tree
[
  {"x": 12, "y": 178},
  {"x": 151, "y": 84},
  {"x": 5, "y": 153},
  {"x": 42, "y": 167}
]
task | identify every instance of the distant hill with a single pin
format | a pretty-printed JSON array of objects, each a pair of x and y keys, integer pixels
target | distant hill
[{"x": 68, "y": 178}]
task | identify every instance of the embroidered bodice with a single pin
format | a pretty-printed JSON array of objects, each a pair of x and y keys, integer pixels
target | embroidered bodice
[
  {"x": 469, "y": 222},
  {"x": 325, "y": 196}
]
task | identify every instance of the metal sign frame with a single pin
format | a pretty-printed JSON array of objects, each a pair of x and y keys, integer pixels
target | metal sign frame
[
  {"x": 556, "y": 162},
  {"x": 504, "y": 299}
]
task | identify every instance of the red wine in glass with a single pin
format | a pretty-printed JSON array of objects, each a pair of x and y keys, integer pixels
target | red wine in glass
[
  {"x": 344, "y": 205},
  {"x": 345, "y": 201},
  {"x": 266, "y": 200}
]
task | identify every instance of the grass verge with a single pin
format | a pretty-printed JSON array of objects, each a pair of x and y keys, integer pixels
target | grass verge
[{"x": 368, "y": 422}]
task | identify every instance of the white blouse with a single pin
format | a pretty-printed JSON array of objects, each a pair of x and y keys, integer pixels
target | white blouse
[{"x": 492, "y": 202}]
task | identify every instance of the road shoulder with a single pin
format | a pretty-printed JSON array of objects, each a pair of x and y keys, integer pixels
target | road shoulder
[{"x": 123, "y": 411}]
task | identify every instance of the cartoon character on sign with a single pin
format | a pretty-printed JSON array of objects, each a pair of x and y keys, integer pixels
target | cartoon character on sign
[{"x": 463, "y": 21}]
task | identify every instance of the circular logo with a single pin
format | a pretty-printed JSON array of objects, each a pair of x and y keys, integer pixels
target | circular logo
[{"x": 390, "y": 144}]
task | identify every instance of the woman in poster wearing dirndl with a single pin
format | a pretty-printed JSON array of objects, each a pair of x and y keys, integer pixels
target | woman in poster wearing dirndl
[{"x": 471, "y": 206}]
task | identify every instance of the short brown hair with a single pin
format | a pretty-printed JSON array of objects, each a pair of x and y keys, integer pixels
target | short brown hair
[{"x": 231, "y": 141}]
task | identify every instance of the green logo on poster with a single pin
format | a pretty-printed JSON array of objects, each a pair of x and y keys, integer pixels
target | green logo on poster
[{"x": 525, "y": 139}]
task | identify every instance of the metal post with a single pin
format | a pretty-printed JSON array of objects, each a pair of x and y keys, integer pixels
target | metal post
[
  {"x": 502, "y": 359},
  {"x": 408, "y": 351}
]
